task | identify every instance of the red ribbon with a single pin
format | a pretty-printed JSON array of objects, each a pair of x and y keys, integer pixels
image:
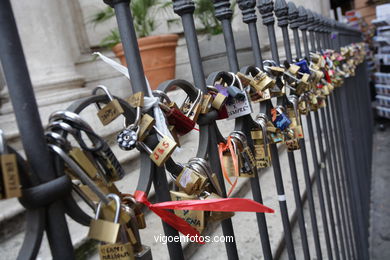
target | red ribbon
[
  {"x": 224, "y": 204},
  {"x": 168, "y": 217}
]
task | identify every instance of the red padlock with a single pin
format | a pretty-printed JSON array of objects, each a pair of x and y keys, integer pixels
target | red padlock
[{"x": 175, "y": 117}]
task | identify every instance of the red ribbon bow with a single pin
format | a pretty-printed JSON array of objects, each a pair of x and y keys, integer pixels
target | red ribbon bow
[{"x": 225, "y": 204}]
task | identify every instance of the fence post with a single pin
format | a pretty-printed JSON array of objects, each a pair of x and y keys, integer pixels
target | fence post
[
  {"x": 311, "y": 24},
  {"x": 299, "y": 19},
  {"x": 282, "y": 13},
  {"x": 335, "y": 181},
  {"x": 138, "y": 84},
  {"x": 52, "y": 217},
  {"x": 185, "y": 10}
]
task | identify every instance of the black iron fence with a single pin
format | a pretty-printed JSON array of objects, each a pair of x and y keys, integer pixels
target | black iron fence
[{"x": 326, "y": 83}]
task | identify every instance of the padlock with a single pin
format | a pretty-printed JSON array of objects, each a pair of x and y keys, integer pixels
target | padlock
[
  {"x": 188, "y": 180},
  {"x": 123, "y": 247},
  {"x": 175, "y": 117},
  {"x": 192, "y": 108},
  {"x": 146, "y": 124},
  {"x": 238, "y": 107},
  {"x": 111, "y": 111},
  {"x": 260, "y": 139},
  {"x": 216, "y": 215},
  {"x": 136, "y": 100},
  {"x": 9, "y": 171},
  {"x": 279, "y": 118},
  {"x": 293, "y": 69},
  {"x": 261, "y": 81},
  {"x": 136, "y": 207},
  {"x": 103, "y": 230},
  {"x": 195, "y": 218},
  {"x": 163, "y": 151},
  {"x": 83, "y": 161},
  {"x": 206, "y": 103},
  {"x": 183, "y": 124},
  {"x": 127, "y": 139},
  {"x": 202, "y": 166},
  {"x": 246, "y": 158},
  {"x": 235, "y": 93}
]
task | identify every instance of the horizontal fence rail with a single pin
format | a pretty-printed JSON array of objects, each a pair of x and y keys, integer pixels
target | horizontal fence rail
[{"x": 321, "y": 87}]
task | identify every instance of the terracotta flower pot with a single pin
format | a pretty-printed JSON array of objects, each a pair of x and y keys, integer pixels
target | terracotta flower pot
[{"x": 158, "y": 54}]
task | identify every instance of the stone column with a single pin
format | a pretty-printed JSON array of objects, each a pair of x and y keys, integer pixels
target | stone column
[{"x": 50, "y": 45}]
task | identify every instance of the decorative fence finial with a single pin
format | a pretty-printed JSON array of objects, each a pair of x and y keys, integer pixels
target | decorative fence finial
[
  {"x": 281, "y": 12},
  {"x": 181, "y": 7},
  {"x": 266, "y": 8},
  {"x": 222, "y": 9},
  {"x": 248, "y": 10}
]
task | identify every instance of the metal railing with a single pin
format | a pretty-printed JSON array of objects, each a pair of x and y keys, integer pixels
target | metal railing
[{"x": 342, "y": 168}]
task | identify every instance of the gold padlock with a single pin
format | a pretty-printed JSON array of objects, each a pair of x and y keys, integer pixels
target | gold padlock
[
  {"x": 11, "y": 182},
  {"x": 163, "y": 151},
  {"x": 188, "y": 180},
  {"x": 103, "y": 230},
  {"x": 262, "y": 82},
  {"x": 145, "y": 126},
  {"x": 136, "y": 100},
  {"x": 219, "y": 101},
  {"x": 293, "y": 69},
  {"x": 193, "y": 217},
  {"x": 217, "y": 215},
  {"x": 111, "y": 111},
  {"x": 206, "y": 104},
  {"x": 83, "y": 161}
]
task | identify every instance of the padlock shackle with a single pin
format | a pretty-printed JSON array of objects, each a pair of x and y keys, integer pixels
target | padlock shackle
[
  {"x": 3, "y": 143},
  {"x": 106, "y": 92},
  {"x": 117, "y": 200}
]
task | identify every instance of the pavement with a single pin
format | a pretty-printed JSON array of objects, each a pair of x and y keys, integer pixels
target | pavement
[{"x": 380, "y": 194}]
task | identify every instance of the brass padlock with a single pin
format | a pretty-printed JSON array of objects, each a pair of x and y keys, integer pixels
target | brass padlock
[
  {"x": 293, "y": 69},
  {"x": 261, "y": 82},
  {"x": 146, "y": 124},
  {"x": 219, "y": 101},
  {"x": 217, "y": 215},
  {"x": 193, "y": 217},
  {"x": 111, "y": 111},
  {"x": 136, "y": 100},
  {"x": 188, "y": 180},
  {"x": 103, "y": 230},
  {"x": 83, "y": 161},
  {"x": 260, "y": 139},
  {"x": 9, "y": 170},
  {"x": 163, "y": 151},
  {"x": 206, "y": 104},
  {"x": 11, "y": 182}
]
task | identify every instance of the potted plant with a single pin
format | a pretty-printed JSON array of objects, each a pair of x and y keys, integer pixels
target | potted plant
[{"x": 158, "y": 52}]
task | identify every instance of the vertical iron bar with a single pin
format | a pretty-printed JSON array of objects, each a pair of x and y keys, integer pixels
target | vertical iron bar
[
  {"x": 250, "y": 18},
  {"x": 301, "y": 22},
  {"x": 31, "y": 132},
  {"x": 340, "y": 149},
  {"x": 282, "y": 13},
  {"x": 266, "y": 8},
  {"x": 323, "y": 156},
  {"x": 138, "y": 84},
  {"x": 185, "y": 9},
  {"x": 355, "y": 204},
  {"x": 331, "y": 144},
  {"x": 311, "y": 25}
]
